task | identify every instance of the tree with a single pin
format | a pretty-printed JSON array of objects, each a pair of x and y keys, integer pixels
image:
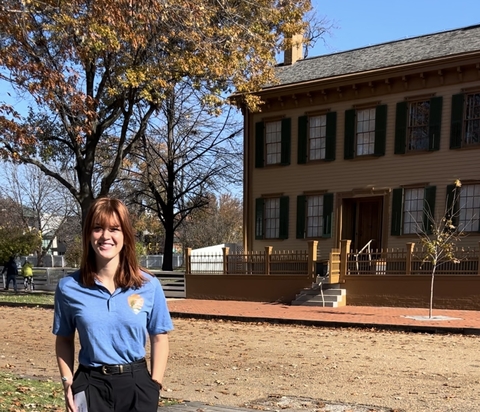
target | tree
[
  {"x": 220, "y": 222},
  {"x": 190, "y": 152},
  {"x": 439, "y": 235},
  {"x": 15, "y": 237},
  {"x": 45, "y": 204},
  {"x": 94, "y": 73}
]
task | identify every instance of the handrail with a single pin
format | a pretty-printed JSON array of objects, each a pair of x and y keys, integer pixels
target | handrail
[{"x": 369, "y": 251}]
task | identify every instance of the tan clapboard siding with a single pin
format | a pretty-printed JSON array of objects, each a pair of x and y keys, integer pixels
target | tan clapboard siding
[{"x": 438, "y": 168}]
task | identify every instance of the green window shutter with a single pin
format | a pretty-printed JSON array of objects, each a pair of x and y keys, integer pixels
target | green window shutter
[
  {"x": 327, "y": 214},
  {"x": 349, "y": 143},
  {"x": 331, "y": 136},
  {"x": 283, "y": 230},
  {"x": 429, "y": 209},
  {"x": 401, "y": 127},
  {"x": 380, "y": 130},
  {"x": 301, "y": 202},
  {"x": 452, "y": 204},
  {"x": 302, "y": 139},
  {"x": 434, "y": 127},
  {"x": 259, "y": 204},
  {"x": 259, "y": 144},
  {"x": 286, "y": 141},
  {"x": 456, "y": 119},
  {"x": 397, "y": 207}
]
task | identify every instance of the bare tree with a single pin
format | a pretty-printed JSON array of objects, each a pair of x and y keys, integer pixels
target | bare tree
[
  {"x": 439, "y": 235},
  {"x": 189, "y": 153},
  {"x": 45, "y": 204}
]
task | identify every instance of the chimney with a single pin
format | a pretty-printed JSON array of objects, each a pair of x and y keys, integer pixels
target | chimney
[{"x": 294, "y": 50}]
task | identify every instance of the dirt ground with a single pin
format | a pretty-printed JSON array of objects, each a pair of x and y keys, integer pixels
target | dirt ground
[{"x": 280, "y": 367}]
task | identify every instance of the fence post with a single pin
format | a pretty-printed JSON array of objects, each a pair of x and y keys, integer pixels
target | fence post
[
  {"x": 225, "y": 260},
  {"x": 408, "y": 263},
  {"x": 268, "y": 252},
  {"x": 312, "y": 258},
  {"x": 344, "y": 249},
  {"x": 478, "y": 267},
  {"x": 188, "y": 261}
]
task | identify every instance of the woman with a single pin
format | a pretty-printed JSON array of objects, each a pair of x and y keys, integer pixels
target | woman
[{"x": 112, "y": 305}]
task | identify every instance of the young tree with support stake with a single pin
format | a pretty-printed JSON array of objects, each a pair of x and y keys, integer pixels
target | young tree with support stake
[{"x": 439, "y": 236}]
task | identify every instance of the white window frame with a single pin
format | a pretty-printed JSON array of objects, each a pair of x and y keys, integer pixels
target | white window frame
[
  {"x": 273, "y": 142},
  {"x": 272, "y": 218},
  {"x": 418, "y": 125},
  {"x": 365, "y": 131},
  {"x": 314, "y": 216},
  {"x": 413, "y": 210},
  {"x": 317, "y": 137},
  {"x": 471, "y": 134},
  {"x": 469, "y": 208}
]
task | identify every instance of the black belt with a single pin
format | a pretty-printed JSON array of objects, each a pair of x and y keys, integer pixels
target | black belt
[{"x": 117, "y": 369}]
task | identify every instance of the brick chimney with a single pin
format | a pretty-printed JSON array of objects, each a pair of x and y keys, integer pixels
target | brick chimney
[{"x": 294, "y": 51}]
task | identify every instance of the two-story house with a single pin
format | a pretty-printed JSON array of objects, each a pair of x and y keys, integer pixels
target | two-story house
[{"x": 359, "y": 144}]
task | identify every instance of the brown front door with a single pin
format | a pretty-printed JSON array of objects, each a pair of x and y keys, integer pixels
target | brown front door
[{"x": 362, "y": 221}]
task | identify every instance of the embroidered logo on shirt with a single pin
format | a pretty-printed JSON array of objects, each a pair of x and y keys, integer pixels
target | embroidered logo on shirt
[{"x": 135, "y": 302}]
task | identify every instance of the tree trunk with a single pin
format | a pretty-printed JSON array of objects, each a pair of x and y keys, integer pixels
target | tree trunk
[
  {"x": 430, "y": 308},
  {"x": 168, "y": 249}
]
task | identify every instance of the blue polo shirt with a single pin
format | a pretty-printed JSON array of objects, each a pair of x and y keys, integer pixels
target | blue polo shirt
[{"x": 112, "y": 328}]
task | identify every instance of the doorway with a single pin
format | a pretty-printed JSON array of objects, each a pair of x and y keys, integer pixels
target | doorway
[{"x": 362, "y": 221}]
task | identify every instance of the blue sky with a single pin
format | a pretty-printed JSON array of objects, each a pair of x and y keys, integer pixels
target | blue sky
[{"x": 362, "y": 23}]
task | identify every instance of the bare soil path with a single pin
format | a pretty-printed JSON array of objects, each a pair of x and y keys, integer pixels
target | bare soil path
[{"x": 280, "y": 367}]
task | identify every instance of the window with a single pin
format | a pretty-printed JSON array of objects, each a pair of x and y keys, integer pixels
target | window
[
  {"x": 314, "y": 216},
  {"x": 272, "y": 143},
  {"x": 271, "y": 217},
  {"x": 417, "y": 129},
  {"x": 317, "y": 137},
  {"x": 465, "y": 120},
  {"x": 412, "y": 210},
  {"x": 469, "y": 208},
  {"x": 365, "y": 131},
  {"x": 417, "y": 125}
]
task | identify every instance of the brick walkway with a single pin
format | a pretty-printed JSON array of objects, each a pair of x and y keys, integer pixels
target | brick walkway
[{"x": 406, "y": 319}]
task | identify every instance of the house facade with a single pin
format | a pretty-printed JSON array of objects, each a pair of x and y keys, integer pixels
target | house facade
[{"x": 359, "y": 145}]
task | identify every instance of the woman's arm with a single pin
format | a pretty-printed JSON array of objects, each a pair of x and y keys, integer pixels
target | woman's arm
[
  {"x": 65, "y": 352},
  {"x": 159, "y": 354}
]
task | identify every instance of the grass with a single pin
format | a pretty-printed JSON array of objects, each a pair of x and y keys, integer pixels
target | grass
[
  {"x": 27, "y": 298},
  {"x": 22, "y": 394}
]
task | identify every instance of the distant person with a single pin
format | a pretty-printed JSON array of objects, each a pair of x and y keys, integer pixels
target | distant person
[
  {"x": 27, "y": 273},
  {"x": 12, "y": 273},
  {"x": 114, "y": 306}
]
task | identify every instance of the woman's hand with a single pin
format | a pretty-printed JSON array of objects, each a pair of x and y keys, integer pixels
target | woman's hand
[{"x": 69, "y": 402}]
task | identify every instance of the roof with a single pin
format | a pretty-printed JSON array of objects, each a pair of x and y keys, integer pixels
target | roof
[{"x": 395, "y": 53}]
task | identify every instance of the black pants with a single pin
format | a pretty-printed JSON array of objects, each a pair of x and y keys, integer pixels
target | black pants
[
  {"x": 127, "y": 392},
  {"x": 14, "y": 280}
]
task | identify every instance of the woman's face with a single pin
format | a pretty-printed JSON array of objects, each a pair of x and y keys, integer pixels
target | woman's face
[{"x": 107, "y": 241}]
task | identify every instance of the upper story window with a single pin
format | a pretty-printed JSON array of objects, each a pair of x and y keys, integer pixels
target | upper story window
[
  {"x": 271, "y": 217},
  {"x": 365, "y": 131},
  {"x": 317, "y": 137},
  {"x": 417, "y": 125},
  {"x": 314, "y": 215},
  {"x": 272, "y": 143},
  {"x": 465, "y": 120},
  {"x": 412, "y": 210}
]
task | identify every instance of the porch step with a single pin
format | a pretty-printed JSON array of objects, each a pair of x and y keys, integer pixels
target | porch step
[{"x": 333, "y": 296}]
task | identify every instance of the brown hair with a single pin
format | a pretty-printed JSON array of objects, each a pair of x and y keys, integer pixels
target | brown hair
[{"x": 101, "y": 213}]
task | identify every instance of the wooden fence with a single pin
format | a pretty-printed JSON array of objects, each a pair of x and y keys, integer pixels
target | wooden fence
[{"x": 267, "y": 262}]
